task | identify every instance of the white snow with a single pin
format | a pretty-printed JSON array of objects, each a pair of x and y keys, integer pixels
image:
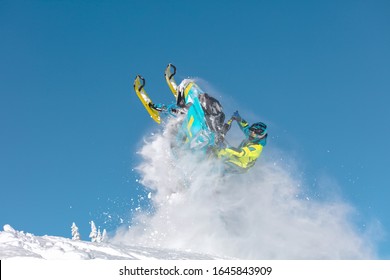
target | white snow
[
  {"x": 17, "y": 244},
  {"x": 264, "y": 214}
]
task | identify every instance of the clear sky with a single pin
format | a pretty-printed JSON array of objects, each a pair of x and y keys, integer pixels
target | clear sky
[{"x": 318, "y": 72}]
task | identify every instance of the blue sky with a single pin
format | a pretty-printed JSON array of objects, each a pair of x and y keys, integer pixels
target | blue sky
[{"x": 316, "y": 71}]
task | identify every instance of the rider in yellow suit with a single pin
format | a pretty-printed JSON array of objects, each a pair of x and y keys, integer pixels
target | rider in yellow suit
[{"x": 240, "y": 159}]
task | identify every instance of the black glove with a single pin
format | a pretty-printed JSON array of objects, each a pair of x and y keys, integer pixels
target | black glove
[{"x": 236, "y": 116}]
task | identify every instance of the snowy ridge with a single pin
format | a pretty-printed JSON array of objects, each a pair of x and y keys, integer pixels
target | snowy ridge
[{"x": 17, "y": 244}]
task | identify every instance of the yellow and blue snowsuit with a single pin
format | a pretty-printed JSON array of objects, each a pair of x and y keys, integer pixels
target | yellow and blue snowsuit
[{"x": 240, "y": 159}]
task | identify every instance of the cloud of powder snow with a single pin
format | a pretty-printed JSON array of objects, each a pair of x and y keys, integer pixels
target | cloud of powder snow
[{"x": 263, "y": 214}]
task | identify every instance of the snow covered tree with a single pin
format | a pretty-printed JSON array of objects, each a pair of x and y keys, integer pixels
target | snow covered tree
[
  {"x": 75, "y": 232},
  {"x": 94, "y": 234},
  {"x": 99, "y": 236},
  {"x": 104, "y": 236}
]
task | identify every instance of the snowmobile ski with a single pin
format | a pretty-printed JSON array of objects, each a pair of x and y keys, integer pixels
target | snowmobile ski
[
  {"x": 139, "y": 87},
  {"x": 169, "y": 74}
]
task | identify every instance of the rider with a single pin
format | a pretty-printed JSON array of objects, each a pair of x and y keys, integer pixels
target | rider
[{"x": 240, "y": 159}]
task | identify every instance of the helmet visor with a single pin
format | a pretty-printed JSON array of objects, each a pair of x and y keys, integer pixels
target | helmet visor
[
  {"x": 258, "y": 131},
  {"x": 258, "y": 128}
]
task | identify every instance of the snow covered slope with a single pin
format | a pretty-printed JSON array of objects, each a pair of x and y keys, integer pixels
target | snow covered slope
[{"x": 17, "y": 244}]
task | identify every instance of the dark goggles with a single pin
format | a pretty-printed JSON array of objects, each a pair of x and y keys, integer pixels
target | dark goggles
[{"x": 259, "y": 130}]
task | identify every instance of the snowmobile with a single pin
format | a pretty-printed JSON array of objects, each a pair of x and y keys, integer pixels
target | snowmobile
[{"x": 202, "y": 127}]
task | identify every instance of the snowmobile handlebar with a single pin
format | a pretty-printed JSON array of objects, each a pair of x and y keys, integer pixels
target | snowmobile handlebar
[
  {"x": 170, "y": 65},
  {"x": 142, "y": 82},
  {"x": 225, "y": 128}
]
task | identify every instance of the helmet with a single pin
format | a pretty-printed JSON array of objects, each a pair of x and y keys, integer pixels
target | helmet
[{"x": 259, "y": 129}]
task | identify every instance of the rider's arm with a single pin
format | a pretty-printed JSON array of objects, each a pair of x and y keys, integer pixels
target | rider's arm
[
  {"x": 243, "y": 124},
  {"x": 230, "y": 151},
  {"x": 247, "y": 150}
]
